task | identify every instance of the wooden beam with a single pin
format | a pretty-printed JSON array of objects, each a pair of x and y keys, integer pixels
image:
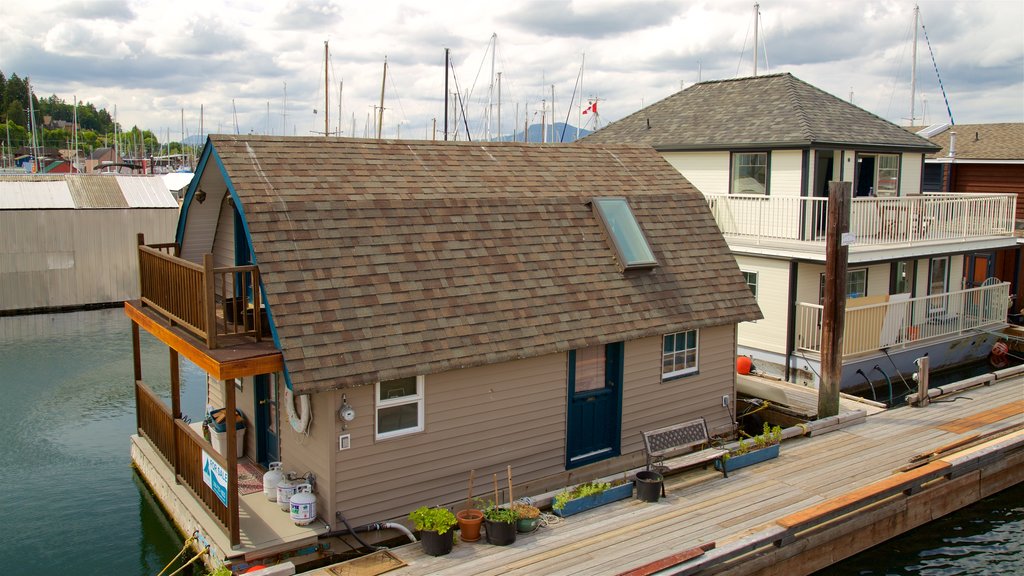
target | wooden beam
[
  {"x": 230, "y": 418},
  {"x": 669, "y": 561},
  {"x": 834, "y": 309},
  {"x": 220, "y": 370}
]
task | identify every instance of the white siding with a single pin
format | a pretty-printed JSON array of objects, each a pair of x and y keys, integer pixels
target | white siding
[
  {"x": 33, "y": 194},
  {"x": 201, "y": 225},
  {"x": 773, "y": 298},
  {"x": 708, "y": 171},
  {"x": 910, "y": 173},
  {"x": 786, "y": 172}
]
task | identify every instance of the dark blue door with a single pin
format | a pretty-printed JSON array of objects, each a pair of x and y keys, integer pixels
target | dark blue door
[
  {"x": 267, "y": 444},
  {"x": 594, "y": 404}
]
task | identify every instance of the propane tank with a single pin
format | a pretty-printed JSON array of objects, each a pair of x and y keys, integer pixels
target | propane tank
[
  {"x": 303, "y": 505},
  {"x": 271, "y": 479},
  {"x": 285, "y": 491}
]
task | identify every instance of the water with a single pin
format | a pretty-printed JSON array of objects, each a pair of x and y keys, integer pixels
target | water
[
  {"x": 68, "y": 494},
  {"x": 69, "y": 497},
  {"x": 984, "y": 539}
]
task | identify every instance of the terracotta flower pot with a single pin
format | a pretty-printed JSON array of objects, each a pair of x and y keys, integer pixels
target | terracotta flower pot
[{"x": 469, "y": 524}]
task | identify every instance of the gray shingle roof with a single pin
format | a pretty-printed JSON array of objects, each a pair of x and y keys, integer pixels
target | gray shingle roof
[
  {"x": 998, "y": 141},
  {"x": 764, "y": 111},
  {"x": 384, "y": 259}
]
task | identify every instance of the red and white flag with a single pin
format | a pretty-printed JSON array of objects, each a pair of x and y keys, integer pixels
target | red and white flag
[{"x": 591, "y": 108}]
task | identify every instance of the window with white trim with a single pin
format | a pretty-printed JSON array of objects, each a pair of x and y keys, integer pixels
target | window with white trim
[
  {"x": 679, "y": 354},
  {"x": 751, "y": 279},
  {"x": 399, "y": 407},
  {"x": 749, "y": 173}
]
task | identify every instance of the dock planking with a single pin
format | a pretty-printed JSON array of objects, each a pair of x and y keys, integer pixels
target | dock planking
[{"x": 823, "y": 473}]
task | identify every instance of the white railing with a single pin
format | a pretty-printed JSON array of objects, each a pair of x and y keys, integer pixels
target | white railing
[
  {"x": 902, "y": 321},
  {"x": 873, "y": 221}
]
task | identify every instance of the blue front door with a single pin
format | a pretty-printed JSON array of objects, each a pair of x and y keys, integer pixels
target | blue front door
[
  {"x": 267, "y": 444},
  {"x": 594, "y": 404}
]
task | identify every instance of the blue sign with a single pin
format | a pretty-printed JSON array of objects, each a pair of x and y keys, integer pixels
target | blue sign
[{"x": 215, "y": 477}]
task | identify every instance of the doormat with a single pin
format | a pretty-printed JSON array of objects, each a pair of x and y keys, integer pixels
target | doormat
[
  {"x": 378, "y": 562},
  {"x": 250, "y": 478}
]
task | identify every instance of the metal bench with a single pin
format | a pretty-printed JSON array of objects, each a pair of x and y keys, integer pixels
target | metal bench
[{"x": 689, "y": 438}]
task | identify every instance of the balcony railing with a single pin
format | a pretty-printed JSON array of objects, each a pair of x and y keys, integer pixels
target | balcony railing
[
  {"x": 187, "y": 293},
  {"x": 182, "y": 448},
  {"x": 902, "y": 321},
  {"x": 875, "y": 222}
]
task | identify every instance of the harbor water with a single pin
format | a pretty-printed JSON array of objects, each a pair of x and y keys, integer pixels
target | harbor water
[{"x": 70, "y": 501}]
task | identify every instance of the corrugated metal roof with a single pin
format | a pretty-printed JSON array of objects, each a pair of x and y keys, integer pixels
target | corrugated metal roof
[
  {"x": 146, "y": 192},
  {"x": 96, "y": 192},
  {"x": 19, "y": 193}
]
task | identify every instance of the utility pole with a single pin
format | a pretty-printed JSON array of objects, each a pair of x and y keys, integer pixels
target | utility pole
[{"x": 834, "y": 309}]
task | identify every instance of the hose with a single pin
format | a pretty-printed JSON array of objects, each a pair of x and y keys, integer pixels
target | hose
[
  {"x": 870, "y": 385},
  {"x": 344, "y": 521},
  {"x": 882, "y": 372},
  {"x": 400, "y": 528}
]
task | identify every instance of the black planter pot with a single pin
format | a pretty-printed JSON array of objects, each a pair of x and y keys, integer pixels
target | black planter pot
[
  {"x": 435, "y": 544},
  {"x": 500, "y": 533},
  {"x": 649, "y": 486}
]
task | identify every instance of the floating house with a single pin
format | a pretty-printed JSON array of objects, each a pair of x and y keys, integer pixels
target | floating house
[
  {"x": 68, "y": 241},
  {"x": 763, "y": 151},
  {"x": 390, "y": 315}
]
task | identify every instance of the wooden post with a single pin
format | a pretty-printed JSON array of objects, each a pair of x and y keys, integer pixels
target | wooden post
[
  {"x": 137, "y": 358},
  {"x": 175, "y": 409},
  {"x": 922, "y": 381},
  {"x": 231, "y": 456},
  {"x": 209, "y": 310},
  {"x": 834, "y": 309}
]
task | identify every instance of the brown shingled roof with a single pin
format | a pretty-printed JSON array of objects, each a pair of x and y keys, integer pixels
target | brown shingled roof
[
  {"x": 384, "y": 259},
  {"x": 998, "y": 141},
  {"x": 778, "y": 111}
]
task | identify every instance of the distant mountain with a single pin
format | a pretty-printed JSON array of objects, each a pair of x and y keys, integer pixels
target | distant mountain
[
  {"x": 563, "y": 133},
  {"x": 196, "y": 140}
]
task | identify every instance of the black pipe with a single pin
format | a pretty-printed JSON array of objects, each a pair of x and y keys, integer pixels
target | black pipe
[
  {"x": 870, "y": 385},
  {"x": 879, "y": 368},
  {"x": 353, "y": 532}
]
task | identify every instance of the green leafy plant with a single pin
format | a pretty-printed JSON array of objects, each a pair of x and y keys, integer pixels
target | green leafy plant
[
  {"x": 579, "y": 491},
  {"x": 496, "y": 513},
  {"x": 770, "y": 436},
  {"x": 438, "y": 520}
]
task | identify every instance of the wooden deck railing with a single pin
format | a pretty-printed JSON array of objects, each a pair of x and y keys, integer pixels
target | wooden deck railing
[
  {"x": 874, "y": 222},
  {"x": 902, "y": 321},
  {"x": 186, "y": 293},
  {"x": 182, "y": 449}
]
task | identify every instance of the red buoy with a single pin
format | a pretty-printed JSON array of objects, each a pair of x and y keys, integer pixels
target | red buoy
[
  {"x": 1000, "y": 349},
  {"x": 744, "y": 365}
]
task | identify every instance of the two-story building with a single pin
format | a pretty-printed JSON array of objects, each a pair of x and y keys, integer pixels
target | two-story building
[{"x": 763, "y": 151}]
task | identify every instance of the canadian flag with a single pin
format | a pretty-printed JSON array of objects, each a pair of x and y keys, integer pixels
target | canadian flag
[{"x": 591, "y": 108}]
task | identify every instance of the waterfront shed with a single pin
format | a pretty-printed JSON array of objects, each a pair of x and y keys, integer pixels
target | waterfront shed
[
  {"x": 474, "y": 305},
  {"x": 69, "y": 241}
]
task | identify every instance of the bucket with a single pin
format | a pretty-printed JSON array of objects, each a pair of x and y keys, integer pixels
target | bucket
[{"x": 649, "y": 485}]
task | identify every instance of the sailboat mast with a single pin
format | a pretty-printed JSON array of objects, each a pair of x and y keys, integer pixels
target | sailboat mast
[
  {"x": 32, "y": 125},
  {"x": 327, "y": 96},
  {"x": 499, "y": 106},
  {"x": 341, "y": 91},
  {"x": 74, "y": 126},
  {"x": 579, "y": 117},
  {"x": 756, "y": 11},
  {"x": 913, "y": 65},
  {"x": 445, "y": 94},
  {"x": 490, "y": 90},
  {"x": 383, "y": 82}
]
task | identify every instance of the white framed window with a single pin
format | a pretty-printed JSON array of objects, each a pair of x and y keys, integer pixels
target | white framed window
[
  {"x": 749, "y": 173},
  {"x": 856, "y": 284},
  {"x": 399, "y": 407},
  {"x": 679, "y": 354},
  {"x": 751, "y": 279}
]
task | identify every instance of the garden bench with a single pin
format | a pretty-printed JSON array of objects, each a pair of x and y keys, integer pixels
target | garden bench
[{"x": 688, "y": 438}]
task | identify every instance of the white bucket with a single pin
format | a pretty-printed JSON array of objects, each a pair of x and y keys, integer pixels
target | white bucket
[
  {"x": 303, "y": 505},
  {"x": 285, "y": 491}
]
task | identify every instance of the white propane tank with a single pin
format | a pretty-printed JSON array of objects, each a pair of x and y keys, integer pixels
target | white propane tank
[
  {"x": 271, "y": 479},
  {"x": 285, "y": 491},
  {"x": 303, "y": 505}
]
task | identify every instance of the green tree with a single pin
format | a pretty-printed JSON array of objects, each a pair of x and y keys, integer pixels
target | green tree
[{"x": 15, "y": 112}]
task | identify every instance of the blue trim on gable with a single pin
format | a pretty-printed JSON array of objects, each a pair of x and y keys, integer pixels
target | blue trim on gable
[{"x": 209, "y": 151}]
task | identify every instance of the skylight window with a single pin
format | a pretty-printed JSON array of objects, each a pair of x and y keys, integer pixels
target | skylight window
[{"x": 626, "y": 236}]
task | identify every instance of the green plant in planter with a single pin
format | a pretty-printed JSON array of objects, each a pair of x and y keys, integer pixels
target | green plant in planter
[
  {"x": 438, "y": 520},
  {"x": 499, "y": 514},
  {"x": 579, "y": 491},
  {"x": 771, "y": 436}
]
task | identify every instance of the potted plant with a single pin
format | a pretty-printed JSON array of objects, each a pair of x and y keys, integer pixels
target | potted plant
[
  {"x": 434, "y": 524},
  {"x": 472, "y": 517},
  {"x": 529, "y": 517},
  {"x": 764, "y": 446},
  {"x": 590, "y": 495},
  {"x": 500, "y": 524}
]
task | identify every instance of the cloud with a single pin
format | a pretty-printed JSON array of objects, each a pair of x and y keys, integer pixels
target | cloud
[
  {"x": 84, "y": 38},
  {"x": 566, "y": 19},
  {"x": 117, "y": 10},
  {"x": 306, "y": 15}
]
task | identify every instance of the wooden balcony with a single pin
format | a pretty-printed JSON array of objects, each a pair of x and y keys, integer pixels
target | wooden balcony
[
  {"x": 903, "y": 322},
  {"x": 799, "y": 223}
]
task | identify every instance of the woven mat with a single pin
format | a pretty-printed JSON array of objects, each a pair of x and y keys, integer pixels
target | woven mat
[
  {"x": 378, "y": 562},
  {"x": 250, "y": 478}
]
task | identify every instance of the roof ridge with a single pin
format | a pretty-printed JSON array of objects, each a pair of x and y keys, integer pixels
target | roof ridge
[{"x": 805, "y": 123}]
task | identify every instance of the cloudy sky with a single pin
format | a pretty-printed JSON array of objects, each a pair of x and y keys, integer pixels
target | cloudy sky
[{"x": 260, "y": 64}]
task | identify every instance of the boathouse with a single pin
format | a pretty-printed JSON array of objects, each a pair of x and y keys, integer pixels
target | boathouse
[
  {"x": 409, "y": 311},
  {"x": 68, "y": 241},
  {"x": 763, "y": 150}
]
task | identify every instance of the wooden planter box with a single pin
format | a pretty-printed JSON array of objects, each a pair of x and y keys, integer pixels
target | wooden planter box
[
  {"x": 750, "y": 458},
  {"x": 620, "y": 492}
]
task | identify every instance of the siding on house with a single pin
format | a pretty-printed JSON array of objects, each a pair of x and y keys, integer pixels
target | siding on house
[
  {"x": 707, "y": 171},
  {"x": 786, "y": 173},
  {"x": 312, "y": 452},
  {"x": 201, "y": 225},
  {"x": 774, "y": 301}
]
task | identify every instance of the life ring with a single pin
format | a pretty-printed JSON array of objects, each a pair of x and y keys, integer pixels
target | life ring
[{"x": 298, "y": 419}]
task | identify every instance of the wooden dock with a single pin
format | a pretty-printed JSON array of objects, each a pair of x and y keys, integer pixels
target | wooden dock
[{"x": 825, "y": 498}]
